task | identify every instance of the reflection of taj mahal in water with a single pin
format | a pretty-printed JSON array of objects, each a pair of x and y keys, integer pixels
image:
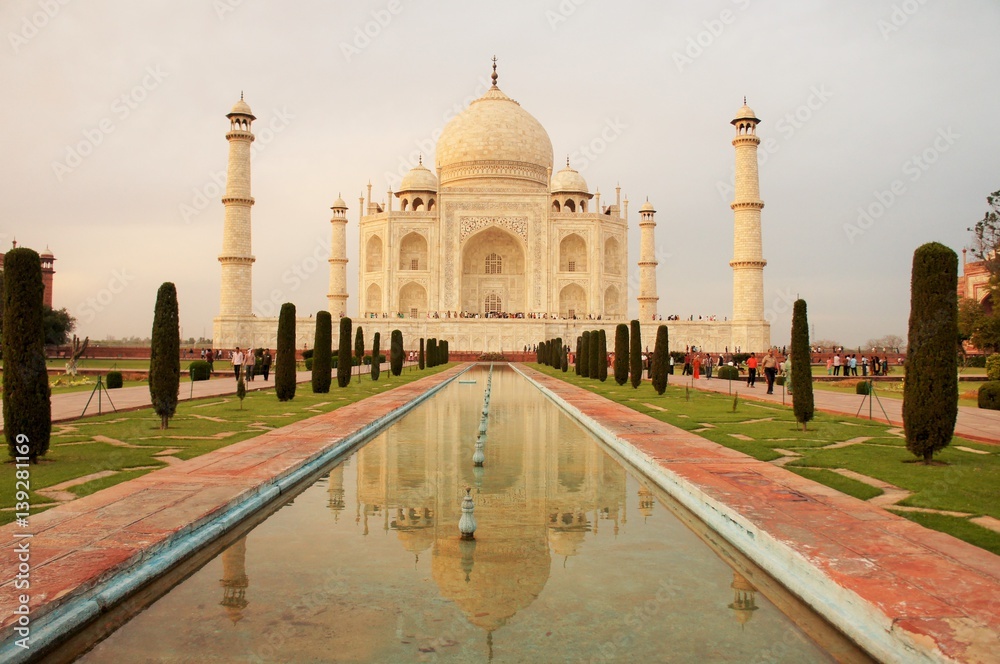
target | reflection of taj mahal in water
[
  {"x": 539, "y": 499},
  {"x": 492, "y": 250}
]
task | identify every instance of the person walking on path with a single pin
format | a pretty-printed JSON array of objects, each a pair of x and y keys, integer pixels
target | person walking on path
[
  {"x": 752, "y": 370},
  {"x": 696, "y": 363},
  {"x": 770, "y": 365},
  {"x": 249, "y": 365},
  {"x": 265, "y": 364},
  {"x": 709, "y": 365},
  {"x": 787, "y": 369},
  {"x": 854, "y": 365},
  {"x": 237, "y": 363}
]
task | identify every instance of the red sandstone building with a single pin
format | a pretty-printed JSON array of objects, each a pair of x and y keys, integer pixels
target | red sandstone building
[{"x": 48, "y": 271}]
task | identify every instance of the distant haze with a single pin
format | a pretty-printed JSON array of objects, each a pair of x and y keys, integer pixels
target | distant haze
[{"x": 877, "y": 135}]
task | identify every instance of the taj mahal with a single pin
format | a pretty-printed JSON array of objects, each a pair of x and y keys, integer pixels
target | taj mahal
[{"x": 494, "y": 249}]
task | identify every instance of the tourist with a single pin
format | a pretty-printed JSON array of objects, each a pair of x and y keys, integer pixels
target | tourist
[
  {"x": 836, "y": 364},
  {"x": 265, "y": 364},
  {"x": 249, "y": 365},
  {"x": 770, "y": 365},
  {"x": 854, "y": 365},
  {"x": 237, "y": 363},
  {"x": 752, "y": 370},
  {"x": 864, "y": 365},
  {"x": 709, "y": 364},
  {"x": 696, "y": 365},
  {"x": 787, "y": 369},
  {"x": 829, "y": 366}
]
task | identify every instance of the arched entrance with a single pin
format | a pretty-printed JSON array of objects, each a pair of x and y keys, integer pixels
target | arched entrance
[{"x": 493, "y": 273}]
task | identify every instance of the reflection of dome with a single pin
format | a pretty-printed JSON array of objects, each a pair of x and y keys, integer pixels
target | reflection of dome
[
  {"x": 418, "y": 179},
  {"x": 569, "y": 181},
  {"x": 566, "y": 542},
  {"x": 494, "y": 138},
  {"x": 506, "y": 576}
]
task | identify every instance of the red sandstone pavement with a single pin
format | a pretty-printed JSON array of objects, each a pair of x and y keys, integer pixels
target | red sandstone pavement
[
  {"x": 973, "y": 423},
  {"x": 941, "y": 591},
  {"x": 76, "y": 545}
]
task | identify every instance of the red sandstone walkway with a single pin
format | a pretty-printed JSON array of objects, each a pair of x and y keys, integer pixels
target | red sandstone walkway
[
  {"x": 925, "y": 586},
  {"x": 76, "y": 545},
  {"x": 972, "y": 423}
]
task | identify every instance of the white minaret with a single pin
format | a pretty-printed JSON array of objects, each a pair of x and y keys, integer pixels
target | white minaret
[
  {"x": 236, "y": 259},
  {"x": 647, "y": 263},
  {"x": 338, "y": 260},
  {"x": 748, "y": 260}
]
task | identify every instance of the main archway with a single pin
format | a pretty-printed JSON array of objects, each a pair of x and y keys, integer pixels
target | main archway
[{"x": 493, "y": 271}]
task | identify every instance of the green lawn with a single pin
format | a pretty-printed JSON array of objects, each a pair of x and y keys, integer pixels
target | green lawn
[
  {"x": 966, "y": 483},
  {"x": 128, "y": 442}
]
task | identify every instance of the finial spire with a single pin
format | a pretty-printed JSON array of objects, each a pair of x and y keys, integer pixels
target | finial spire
[
  {"x": 495, "y": 71},
  {"x": 241, "y": 95},
  {"x": 567, "y": 161},
  {"x": 744, "y": 100},
  {"x": 420, "y": 159}
]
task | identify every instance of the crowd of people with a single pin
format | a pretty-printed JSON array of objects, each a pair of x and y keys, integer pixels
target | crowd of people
[{"x": 849, "y": 363}]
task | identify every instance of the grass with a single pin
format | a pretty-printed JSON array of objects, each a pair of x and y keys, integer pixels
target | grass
[
  {"x": 130, "y": 442},
  {"x": 958, "y": 527},
  {"x": 966, "y": 482}
]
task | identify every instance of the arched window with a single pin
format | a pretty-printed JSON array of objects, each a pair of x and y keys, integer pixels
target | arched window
[
  {"x": 431, "y": 205},
  {"x": 493, "y": 304},
  {"x": 404, "y": 205},
  {"x": 555, "y": 206},
  {"x": 418, "y": 204},
  {"x": 494, "y": 264},
  {"x": 570, "y": 206}
]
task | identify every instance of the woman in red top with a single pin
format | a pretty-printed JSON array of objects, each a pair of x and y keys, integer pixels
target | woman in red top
[{"x": 752, "y": 370}]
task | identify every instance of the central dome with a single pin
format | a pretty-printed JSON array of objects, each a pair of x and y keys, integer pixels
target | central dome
[{"x": 494, "y": 138}]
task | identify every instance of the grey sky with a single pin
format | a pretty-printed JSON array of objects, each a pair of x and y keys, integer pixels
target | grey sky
[{"x": 857, "y": 99}]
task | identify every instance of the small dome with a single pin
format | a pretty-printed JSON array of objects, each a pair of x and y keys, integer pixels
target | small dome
[
  {"x": 241, "y": 108},
  {"x": 47, "y": 253},
  {"x": 568, "y": 180},
  {"x": 339, "y": 204},
  {"x": 647, "y": 207},
  {"x": 418, "y": 179},
  {"x": 745, "y": 113}
]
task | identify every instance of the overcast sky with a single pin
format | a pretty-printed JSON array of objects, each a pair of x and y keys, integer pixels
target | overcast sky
[{"x": 115, "y": 136}]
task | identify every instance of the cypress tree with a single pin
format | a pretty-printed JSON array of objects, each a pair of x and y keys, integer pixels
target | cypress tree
[
  {"x": 593, "y": 363},
  {"x": 635, "y": 354},
  {"x": 547, "y": 353},
  {"x": 359, "y": 350},
  {"x": 602, "y": 355},
  {"x": 284, "y": 359},
  {"x": 930, "y": 393},
  {"x": 241, "y": 390},
  {"x": 376, "y": 350},
  {"x": 420, "y": 355},
  {"x": 576, "y": 358},
  {"x": 432, "y": 352},
  {"x": 538, "y": 352},
  {"x": 661, "y": 359},
  {"x": 802, "y": 399},
  {"x": 445, "y": 353},
  {"x": 165, "y": 354},
  {"x": 344, "y": 353},
  {"x": 27, "y": 410},
  {"x": 396, "y": 352},
  {"x": 583, "y": 359},
  {"x": 322, "y": 374},
  {"x": 564, "y": 359},
  {"x": 621, "y": 353}
]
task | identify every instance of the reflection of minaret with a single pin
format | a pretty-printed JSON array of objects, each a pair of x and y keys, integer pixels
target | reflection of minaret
[
  {"x": 336, "y": 489},
  {"x": 744, "y": 599},
  {"x": 234, "y": 580},
  {"x": 645, "y": 502},
  {"x": 748, "y": 260}
]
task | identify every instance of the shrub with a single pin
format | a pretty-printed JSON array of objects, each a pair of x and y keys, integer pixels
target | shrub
[
  {"x": 930, "y": 393},
  {"x": 584, "y": 358},
  {"x": 602, "y": 355},
  {"x": 661, "y": 359},
  {"x": 114, "y": 380},
  {"x": 420, "y": 355},
  {"x": 576, "y": 358},
  {"x": 199, "y": 370},
  {"x": 378, "y": 357},
  {"x": 307, "y": 354},
  {"x": 977, "y": 362},
  {"x": 445, "y": 353},
  {"x": 989, "y": 395},
  {"x": 165, "y": 354},
  {"x": 993, "y": 366},
  {"x": 621, "y": 354},
  {"x": 396, "y": 352},
  {"x": 319, "y": 361},
  {"x": 284, "y": 359},
  {"x": 564, "y": 359},
  {"x": 635, "y": 354},
  {"x": 345, "y": 362},
  {"x": 594, "y": 362},
  {"x": 432, "y": 358},
  {"x": 241, "y": 390},
  {"x": 803, "y": 403},
  {"x": 779, "y": 380},
  {"x": 862, "y": 387},
  {"x": 740, "y": 358},
  {"x": 727, "y": 372}
]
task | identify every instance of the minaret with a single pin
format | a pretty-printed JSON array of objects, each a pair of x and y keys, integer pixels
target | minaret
[
  {"x": 48, "y": 272},
  {"x": 748, "y": 261},
  {"x": 647, "y": 263},
  {"x": 236, "y": 259},
  {"x": 337, "y": 296}
]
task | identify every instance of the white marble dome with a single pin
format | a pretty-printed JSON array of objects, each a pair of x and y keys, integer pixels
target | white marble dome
[
  {"x": 569, "y": 180},
  {"x": 419, "y": 179},
  {"x": 494, "y": 138}
]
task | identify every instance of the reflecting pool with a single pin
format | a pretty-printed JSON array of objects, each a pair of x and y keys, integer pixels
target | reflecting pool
[{"x": 575, "y": 559}]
